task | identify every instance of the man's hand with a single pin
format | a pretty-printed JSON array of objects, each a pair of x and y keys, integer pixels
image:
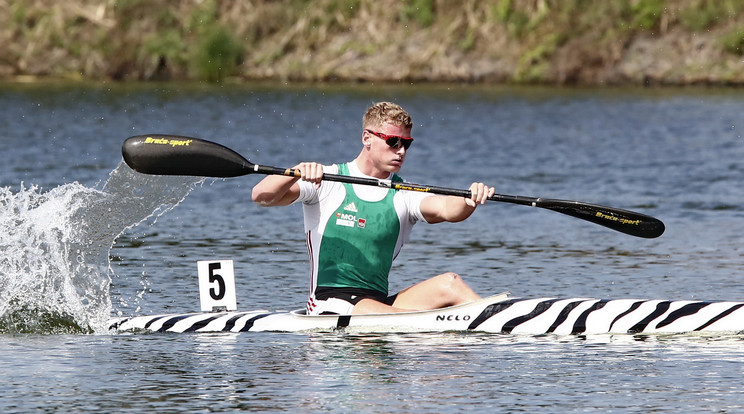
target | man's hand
[
  {"x": 479, "y": 194},
  {"x": 311, "y": 172}
]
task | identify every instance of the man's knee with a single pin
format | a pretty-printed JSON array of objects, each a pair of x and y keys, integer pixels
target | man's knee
[
  {"x": 450, "y": 277},
  {"x": 450, "y": 281}
]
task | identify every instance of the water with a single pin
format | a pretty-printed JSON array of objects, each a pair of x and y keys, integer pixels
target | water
[{"x": 84, "y": 238}]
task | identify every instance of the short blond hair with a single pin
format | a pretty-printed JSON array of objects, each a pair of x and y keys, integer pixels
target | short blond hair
[{"x": 386, "y": 112}]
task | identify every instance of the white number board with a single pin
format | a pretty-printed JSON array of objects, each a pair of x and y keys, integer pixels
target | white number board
[{"x": 217, "y": 285}]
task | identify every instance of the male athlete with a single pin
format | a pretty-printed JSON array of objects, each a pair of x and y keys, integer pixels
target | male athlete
[{"x": 354, "y": 232}]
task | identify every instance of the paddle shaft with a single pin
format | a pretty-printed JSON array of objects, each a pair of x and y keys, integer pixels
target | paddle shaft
[
  {"x": 266, "y": 170},
  {"x": 178, "y": 155},
  {"x": 625, "y": 221}
]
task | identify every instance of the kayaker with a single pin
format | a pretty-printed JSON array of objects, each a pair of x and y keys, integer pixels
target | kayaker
[{"x": 354, "y": 232}]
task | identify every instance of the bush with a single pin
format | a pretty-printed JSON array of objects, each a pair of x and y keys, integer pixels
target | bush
[
  {"x": 647, "y": 13},
  {"x": 733, "y": 42},
  {"x": 218, "y": 55}
]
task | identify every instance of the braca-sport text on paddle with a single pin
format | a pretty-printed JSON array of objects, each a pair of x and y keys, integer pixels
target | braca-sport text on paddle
[{"x": 160, "y": 154}]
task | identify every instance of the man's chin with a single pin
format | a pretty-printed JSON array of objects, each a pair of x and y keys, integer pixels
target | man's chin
[{"x": 395, "y": 167}]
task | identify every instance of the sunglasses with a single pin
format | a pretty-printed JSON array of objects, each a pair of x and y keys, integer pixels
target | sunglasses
[{"x": 393, "y": 141}]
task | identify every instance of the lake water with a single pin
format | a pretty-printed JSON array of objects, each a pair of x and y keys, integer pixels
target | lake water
[{"x": 83, "y": 238}]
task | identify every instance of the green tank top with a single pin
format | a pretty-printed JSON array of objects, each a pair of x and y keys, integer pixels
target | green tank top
[{"x": 358, "y": 243}]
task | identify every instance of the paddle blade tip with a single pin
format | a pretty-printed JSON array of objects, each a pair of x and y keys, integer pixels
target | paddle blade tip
[{"x": 656, "y": 229}]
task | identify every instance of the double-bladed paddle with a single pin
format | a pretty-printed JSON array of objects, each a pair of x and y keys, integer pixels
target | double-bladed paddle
[{"x": 178, "y": 155}]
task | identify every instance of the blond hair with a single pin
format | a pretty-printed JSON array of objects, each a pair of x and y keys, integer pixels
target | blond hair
[{"x": 386, "y": 112}]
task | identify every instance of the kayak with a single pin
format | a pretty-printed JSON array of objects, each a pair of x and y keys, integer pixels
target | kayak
[{"x": 494, "y": 314}]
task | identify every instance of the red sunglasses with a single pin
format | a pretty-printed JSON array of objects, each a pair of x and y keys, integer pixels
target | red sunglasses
[{"x": 393, "y": 141}]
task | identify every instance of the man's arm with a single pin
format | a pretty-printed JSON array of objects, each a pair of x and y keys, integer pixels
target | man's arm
[
  {"x": 437, "y": 209},
  {"x": 277, "y": 190}
]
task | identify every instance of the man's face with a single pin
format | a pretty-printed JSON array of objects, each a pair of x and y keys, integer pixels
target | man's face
[{"x": 388, "y": 158}]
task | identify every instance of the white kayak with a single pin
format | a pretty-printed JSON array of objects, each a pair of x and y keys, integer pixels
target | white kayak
[{"x": 496, "y": 314}]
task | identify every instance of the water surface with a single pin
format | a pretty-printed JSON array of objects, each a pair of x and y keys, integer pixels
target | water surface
[{"x": 85, "y": 238}]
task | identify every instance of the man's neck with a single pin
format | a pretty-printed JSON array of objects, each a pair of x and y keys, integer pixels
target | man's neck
[{"x": 368, "y": 168}]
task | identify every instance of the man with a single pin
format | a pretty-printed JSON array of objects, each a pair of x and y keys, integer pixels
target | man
[{"x": 354, "y": 232}]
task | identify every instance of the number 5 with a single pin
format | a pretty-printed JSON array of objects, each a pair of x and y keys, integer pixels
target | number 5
[
  {"x": 214, "y": 277},
  {"x": 217, "y": 285}
]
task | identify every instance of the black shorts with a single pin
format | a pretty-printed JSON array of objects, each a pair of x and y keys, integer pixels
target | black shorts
[{"x": 353, "y": 295}]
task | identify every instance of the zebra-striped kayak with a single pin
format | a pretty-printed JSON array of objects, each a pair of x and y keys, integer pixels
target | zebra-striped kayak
[{"x": 497, "y": 314}]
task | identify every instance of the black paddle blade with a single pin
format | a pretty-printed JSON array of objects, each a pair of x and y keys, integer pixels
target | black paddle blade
[
  {"x": 624, "y": 221},
  {"x": 159, "y": 154}
]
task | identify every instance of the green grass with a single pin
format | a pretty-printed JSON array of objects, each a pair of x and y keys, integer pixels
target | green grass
[
  {"x": 420, "y": 11},
  {"x": 704, "y": 14},
  {"x": 733, "y": 41},
  {"x": 218, "y": 55}
]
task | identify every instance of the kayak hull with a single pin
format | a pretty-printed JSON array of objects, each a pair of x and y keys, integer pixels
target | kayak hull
[{"x": 495, "y": 314}]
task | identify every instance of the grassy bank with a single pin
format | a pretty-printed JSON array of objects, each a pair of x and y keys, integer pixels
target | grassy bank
[{"x": 498, "y": 41}]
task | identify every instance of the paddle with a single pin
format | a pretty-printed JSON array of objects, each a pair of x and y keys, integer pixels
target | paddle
[{"x": 178, "y": 155}]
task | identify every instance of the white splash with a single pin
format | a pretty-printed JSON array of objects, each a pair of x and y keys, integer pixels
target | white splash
[{"x": 55, "y": 271}]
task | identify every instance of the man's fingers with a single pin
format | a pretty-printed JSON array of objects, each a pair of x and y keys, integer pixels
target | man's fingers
[{"x": 479, "y": 193}]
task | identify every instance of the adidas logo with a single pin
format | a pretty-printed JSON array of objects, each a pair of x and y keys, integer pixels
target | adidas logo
[{"x": 351, "y": 207}]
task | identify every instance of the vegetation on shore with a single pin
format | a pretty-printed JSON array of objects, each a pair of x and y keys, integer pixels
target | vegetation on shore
[{"x": 497, "y": 41}]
